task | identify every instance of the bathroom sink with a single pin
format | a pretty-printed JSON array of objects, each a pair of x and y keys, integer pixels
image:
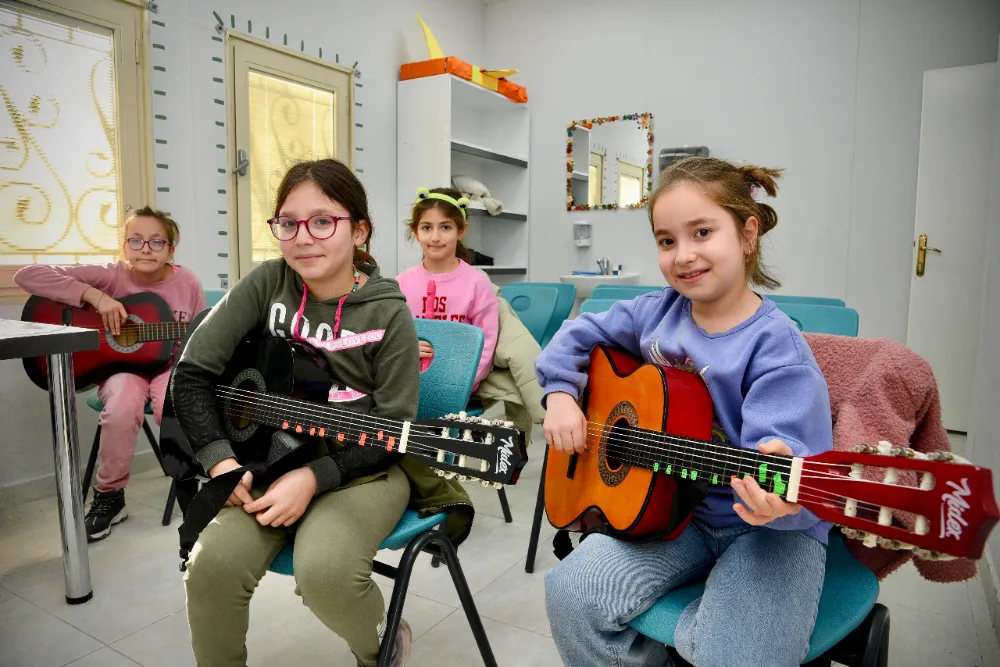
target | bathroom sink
[{"x": 585, "y": 284}]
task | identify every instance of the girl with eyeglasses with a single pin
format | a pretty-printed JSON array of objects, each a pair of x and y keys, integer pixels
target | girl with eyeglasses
[
  {"x": 339, "y": 499},
  {"x": 148, "y": 248}
]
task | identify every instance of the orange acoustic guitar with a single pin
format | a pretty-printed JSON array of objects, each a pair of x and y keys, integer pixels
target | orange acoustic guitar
[{"x": 649, "y": 459}]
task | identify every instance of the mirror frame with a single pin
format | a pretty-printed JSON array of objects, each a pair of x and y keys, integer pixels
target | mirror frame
[{"x": 644, "y": 121}]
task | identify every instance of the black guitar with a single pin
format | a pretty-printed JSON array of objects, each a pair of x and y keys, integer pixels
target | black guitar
[{"x": 272, "y": 384}]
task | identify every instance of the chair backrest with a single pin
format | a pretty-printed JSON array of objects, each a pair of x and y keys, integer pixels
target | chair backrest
[
  {"x": 597, "y": 305},
  {"x": 564, "y": 306},
  {"x": 622, "y": 292},
  {"x": 822, "y": 319},
  {"x": 533, "y": 304},
  {"x": 446, "y": 384},
  {"x": 815, "y": 300},
  {"x": 214, "y": 296}
]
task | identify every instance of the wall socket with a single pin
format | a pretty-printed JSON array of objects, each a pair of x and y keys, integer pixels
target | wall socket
[{"x": 225, "y": 283}]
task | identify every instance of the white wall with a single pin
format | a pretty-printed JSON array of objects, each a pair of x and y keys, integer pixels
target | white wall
[
  {"x": 379, "y": 34},
  {"x": 830, "y": 90},
  {"x": 984, "y": 440}
]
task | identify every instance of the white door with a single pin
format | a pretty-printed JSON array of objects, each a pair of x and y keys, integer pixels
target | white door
[
  {"x": 952, "y": 193},
  {"x": 285, "y": 107}
]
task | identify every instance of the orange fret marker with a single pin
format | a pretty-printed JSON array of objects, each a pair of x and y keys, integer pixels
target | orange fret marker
[
  {"x": 312, "y": 430},
  {"x": 392, "y": 442},
  {"x": 284, "y": 425},
  {"x": 380, "y": 435},
  {"x": 321, "y": 432},
  {"x": 361, "y": 442},
  {"x": 340, "y": 437},
  {"x": 298, "y": 428}
]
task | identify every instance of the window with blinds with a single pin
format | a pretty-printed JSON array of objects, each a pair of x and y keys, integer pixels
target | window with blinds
[
  {"x": 62, "y": 185},
  {"x": 289, "y": 123}
]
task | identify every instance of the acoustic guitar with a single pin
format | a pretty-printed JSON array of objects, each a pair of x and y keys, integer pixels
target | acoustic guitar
[
  {"x": 649, "y": 460},
  {"x": 144, "y": 346}
]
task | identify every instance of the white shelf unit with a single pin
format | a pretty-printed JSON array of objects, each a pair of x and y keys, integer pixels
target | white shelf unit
[
  {"x": 581, "y": 166},
  {"x": 447, "y": 126}
]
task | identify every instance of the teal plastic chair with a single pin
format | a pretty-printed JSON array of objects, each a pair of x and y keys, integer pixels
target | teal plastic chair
[
  {"x": 214, "y": 296},
  {"x": 534, "y": 305},
  {"x": 851, "y": 629},
  {"x": 815, "y": 300},
  {"x": 623, "y": 292},
  {"x": 95, "y": 403},
  {"x": 813, "y": 318},
  {"x": 597, "y": 305},
  {"x": 564, "y": 306},
  {"x": 444, "y": 388}
]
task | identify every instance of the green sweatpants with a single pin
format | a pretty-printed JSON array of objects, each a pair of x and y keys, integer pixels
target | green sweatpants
[{"x": 335, "y": 542}]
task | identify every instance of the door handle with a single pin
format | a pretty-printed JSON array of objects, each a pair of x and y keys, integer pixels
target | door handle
[
  {"x": 922, "y": 249},
  {"x": 241, "y": 163}
]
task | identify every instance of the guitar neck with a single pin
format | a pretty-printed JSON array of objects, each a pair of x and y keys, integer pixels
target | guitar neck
[
  {"x": 162, "y": 331},
  {"x": 695, "y": 460}
]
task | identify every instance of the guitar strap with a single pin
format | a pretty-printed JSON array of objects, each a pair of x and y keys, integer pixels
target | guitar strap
[{"x": 213, "y": 494}]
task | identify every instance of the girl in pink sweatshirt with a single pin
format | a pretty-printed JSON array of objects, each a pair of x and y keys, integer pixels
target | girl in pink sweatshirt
[
  {"x": 150, "y": 238},
  {"x": 444, "y": 286}
]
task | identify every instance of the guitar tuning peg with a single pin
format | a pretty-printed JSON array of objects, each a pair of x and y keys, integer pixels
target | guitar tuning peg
[
  {"x": 491, "y": 485},
  {"x": 902, "y": 452},
  {"x": 924, "y": 554},
  {"x": 463, "y": 478},
  {"x": 866, "y": 449},
  {"x": 947, "y": 457}
]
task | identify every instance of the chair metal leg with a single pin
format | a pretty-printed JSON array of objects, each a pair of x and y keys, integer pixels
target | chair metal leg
[
  {"x": 153, "y": 444},
  {"x": 91, "y": 463},
  {"x": 536, "y": 521},
  {"x": 502, "y": 492},
  {"x": 436, "y": 559},
  {"x": 168, "y": 510},
  {"x": 184, "y": 491},
  {"x": 465, "y": 595}
]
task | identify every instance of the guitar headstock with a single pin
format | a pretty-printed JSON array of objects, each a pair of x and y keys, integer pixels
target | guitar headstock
[
  {"x": 470, "y": 447},
  {"x": 950, "y": 502}
]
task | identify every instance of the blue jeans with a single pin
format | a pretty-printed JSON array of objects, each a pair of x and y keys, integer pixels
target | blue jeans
[{"x": 759, "y": 605}]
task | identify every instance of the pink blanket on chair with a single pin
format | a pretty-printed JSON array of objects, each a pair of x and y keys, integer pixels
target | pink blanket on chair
[{"x": 882, "y": 390}]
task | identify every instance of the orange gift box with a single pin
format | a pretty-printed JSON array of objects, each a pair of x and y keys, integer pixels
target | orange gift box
[{"x": 460, "y": 68}]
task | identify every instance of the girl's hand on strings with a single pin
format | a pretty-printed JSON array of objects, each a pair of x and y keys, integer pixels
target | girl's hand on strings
[
  {"x": 565, "y": 424},
  {"x": 286, "y": 500},
  {"x": 112, "y": 312},
  {"x": 762, "y": 507}
]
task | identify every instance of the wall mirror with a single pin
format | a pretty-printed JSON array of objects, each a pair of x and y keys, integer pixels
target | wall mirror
[{"x": 609, "y": 162}]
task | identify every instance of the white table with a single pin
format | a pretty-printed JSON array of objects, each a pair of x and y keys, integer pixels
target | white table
[{"x": 58, "y": 343}]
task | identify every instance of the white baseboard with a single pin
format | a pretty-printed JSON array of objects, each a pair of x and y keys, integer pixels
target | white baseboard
[{"x": 44, "y": 486}]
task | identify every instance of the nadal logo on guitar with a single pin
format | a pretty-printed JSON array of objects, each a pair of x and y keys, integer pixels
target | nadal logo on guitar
[{"x": 956, "y": 505}]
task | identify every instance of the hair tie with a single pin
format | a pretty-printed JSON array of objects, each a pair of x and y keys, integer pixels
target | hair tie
[
  {"x": 461, "y": 203},
  {"x": 755, "y": 192}
]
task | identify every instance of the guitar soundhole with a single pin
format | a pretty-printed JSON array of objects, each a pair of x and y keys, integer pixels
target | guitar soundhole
[
  {"x": 613, "y": 461},
  {"x": 240, "y": 400},
  {"x": 242, "y": 410}
]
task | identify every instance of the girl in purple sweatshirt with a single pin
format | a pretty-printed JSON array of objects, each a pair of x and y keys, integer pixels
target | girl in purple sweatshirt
[
  {"x": 764, "y": 558},
  {"x": 444, "y": 286},
  {"x": 150, "y": 239}
]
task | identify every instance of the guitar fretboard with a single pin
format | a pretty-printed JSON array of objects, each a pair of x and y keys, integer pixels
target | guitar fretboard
[
  {"x": 159, "y": 331},
  {"x": 696, "y": 460}
]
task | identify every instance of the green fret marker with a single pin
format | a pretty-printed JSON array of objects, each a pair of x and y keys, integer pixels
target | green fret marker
[
  {"x": 684, "y": 473},
  {"x": 656, "y": 467},
  {"x": 668, "y": 468},
  {"x": 715, "y": 479},
  {"x": 694, "y": 475},
  {"x": 762, "y": 475},
  {"x": 779, "y": 486}
]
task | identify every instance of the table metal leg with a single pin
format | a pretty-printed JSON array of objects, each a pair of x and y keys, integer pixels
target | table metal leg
[{"x": 62, "y": 403}]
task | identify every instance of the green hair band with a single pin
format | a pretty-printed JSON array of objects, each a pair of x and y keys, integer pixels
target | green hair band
[{"x": 461, "y": 203}]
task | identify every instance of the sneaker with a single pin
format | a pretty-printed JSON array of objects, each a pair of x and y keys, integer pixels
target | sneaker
[
  {"x": 106, "y": 510},
  {"x": 401, "y": 649}
]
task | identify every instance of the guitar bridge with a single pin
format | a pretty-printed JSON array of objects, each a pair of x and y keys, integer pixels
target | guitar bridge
[{"x": 571, "y": 468}]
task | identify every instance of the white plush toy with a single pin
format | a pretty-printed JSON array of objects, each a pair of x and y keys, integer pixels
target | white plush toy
[{"x": 477, "y": 192}]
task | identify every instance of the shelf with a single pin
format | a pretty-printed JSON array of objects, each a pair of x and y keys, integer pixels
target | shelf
[
  {"x": 504, "y": 215},
  {"x": 474, "y": 97},
  {"x": 580, "y": 176},
  {"x": 486, "y": 154},
  {"x": 501, "y": 268}
]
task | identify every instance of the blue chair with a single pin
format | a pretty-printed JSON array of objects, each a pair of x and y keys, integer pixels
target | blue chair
[
  {"x": 564, "y": 306},
  {"x": 444, "y": 388},
  {"x": 815, "y": 300},
  {"x": 213, "y": 296},
  {"x": 851, "y": 629},
  {"x": 597, "y": 305},
  {"x": 814, "y": 318},
  {"x": 95, "y": 403},
  {"x": 534, "y": 305},
  {"x": 623, "y": 292}
]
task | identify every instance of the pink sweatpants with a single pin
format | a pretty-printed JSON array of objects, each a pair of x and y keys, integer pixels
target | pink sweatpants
[{"x": 124, "y": 396}]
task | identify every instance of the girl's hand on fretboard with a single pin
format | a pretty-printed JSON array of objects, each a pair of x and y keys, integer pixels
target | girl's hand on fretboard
[{"x": 762, "y": 507}]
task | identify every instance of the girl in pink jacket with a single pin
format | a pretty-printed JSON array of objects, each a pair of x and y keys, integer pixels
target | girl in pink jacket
[
  {"x": 444, "y": 286},
  {"x": 150, "y": 238}
]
